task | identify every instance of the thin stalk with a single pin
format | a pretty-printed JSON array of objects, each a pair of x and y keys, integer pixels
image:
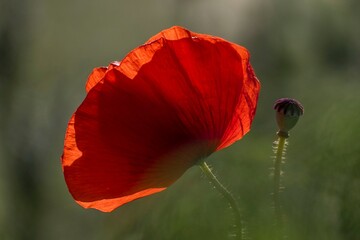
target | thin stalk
[
  {"x": 280, "y": 150},
  {"x": 228, "y": 196}
]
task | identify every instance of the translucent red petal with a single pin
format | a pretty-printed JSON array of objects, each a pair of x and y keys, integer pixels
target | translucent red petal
[{"x": 168, "y": 104}]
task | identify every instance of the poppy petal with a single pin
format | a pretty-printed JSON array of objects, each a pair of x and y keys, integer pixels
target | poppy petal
[
  {"x": 173, "y": 33},
  {"x": 168, "y": 104},
  {"x": 97, "y": 75},
  {"x": 251, "y": 87}
]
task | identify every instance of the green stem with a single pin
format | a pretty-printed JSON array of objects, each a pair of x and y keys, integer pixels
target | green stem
[
  {"x": 227, "y": 195},
  {"x": 280, "y": 149}
]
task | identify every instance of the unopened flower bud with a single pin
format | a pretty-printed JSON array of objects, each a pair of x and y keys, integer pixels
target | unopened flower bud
[{"x": 288, "y": 112}]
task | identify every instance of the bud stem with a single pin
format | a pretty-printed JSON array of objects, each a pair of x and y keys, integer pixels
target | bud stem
[
  {"x": 280, "y": 146},
  {"x": 227, "y": 195}
]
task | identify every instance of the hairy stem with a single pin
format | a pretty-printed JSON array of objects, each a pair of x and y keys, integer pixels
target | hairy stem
[
  {"x": 227, "y": 195},
  {"x": 279, "y": 150}
]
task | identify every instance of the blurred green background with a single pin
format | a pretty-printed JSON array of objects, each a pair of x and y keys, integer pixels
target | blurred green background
[{"x": 308, "y": 50}]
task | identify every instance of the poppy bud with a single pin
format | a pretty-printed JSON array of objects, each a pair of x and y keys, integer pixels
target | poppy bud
[{"x": 288, "y": 112}]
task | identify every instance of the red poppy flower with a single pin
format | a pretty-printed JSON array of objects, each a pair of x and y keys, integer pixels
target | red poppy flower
[{"x": 145, "y": 120}]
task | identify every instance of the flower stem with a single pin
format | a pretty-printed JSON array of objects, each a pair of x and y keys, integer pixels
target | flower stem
[
  {"x": 227, "y": 195},
  {"x": 279, "y": 150}
]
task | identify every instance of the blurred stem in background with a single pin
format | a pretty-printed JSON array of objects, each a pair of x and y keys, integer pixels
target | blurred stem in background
[
  {"x": 228, "y": 196},
  {"x": 288, "y": 112}
]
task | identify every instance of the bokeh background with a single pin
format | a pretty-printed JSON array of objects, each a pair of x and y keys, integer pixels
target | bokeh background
[{"x": 308, "y": 50}]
